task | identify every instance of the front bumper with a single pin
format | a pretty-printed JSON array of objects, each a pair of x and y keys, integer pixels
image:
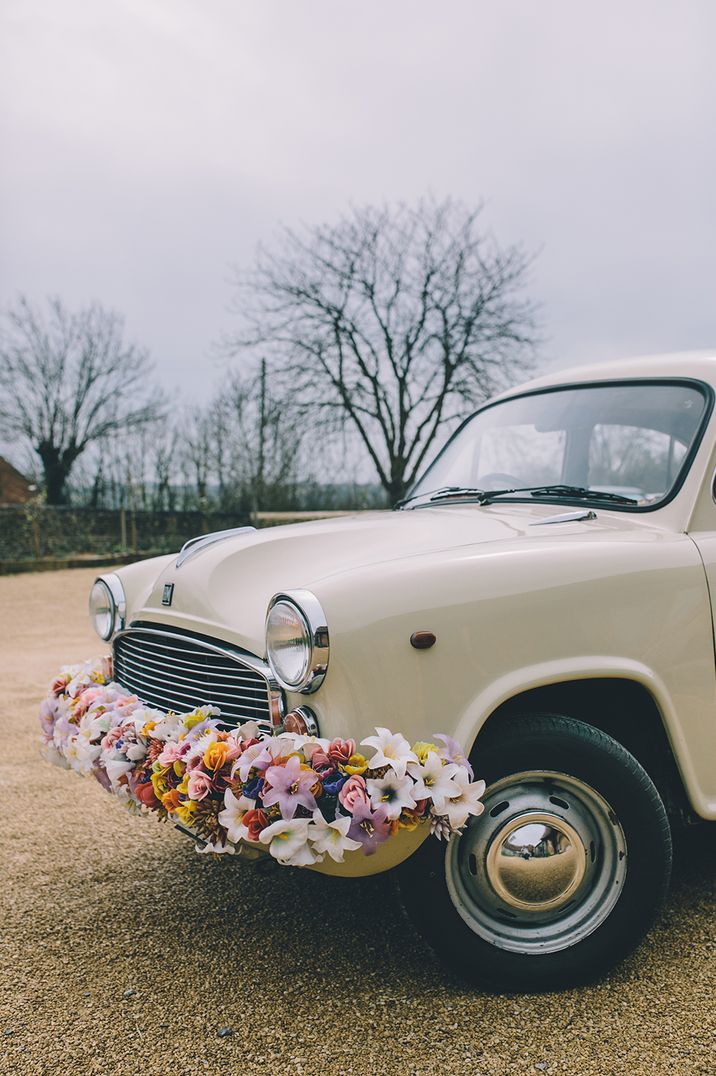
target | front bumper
[{"x": 307, "y": 801}]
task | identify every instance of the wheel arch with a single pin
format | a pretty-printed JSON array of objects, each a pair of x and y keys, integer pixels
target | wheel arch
[{"x": 622, "y": 707}]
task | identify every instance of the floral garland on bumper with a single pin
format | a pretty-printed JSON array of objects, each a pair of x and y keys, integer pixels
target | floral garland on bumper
[{"x": 300, "y": 797}]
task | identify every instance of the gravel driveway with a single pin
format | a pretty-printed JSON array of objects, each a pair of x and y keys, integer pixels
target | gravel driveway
[{"x": 124, "y": 952}]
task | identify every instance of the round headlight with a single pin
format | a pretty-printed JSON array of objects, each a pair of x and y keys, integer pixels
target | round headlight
[
  {"x": 107, "y": 605},
  {"x": 102, "y": 609},
  {"x": 288, "y": 644},
  {"x": 297, "y": 641}
]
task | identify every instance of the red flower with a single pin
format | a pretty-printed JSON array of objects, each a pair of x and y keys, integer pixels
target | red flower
[
  {"x": 145, "y": 794},
  {"x": 341, "y": 750},
  {"x": 255, "y": 821}
]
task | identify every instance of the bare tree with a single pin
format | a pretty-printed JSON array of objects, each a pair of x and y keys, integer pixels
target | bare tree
[
  {"x": 393, "y": 321},
  {"x": 68, "y": 380}
]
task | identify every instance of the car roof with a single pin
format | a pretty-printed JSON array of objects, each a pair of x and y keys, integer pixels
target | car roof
[{"x": 700, "y": 365}]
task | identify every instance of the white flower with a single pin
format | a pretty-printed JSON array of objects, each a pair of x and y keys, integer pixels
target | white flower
[
  {"x": 247, "y": 730},
  {"x": 331, "y": 837},
  {"x": 467, "y": 802},
  {"x": 434, "y": 781},
  {"x": 82, "y": 754},
  {"x": 142, "y": 715},
  {"x": 392, "y": 792},
  {"x": 307, "y": 744},
  {"x": 288, "y": 842},
  {"x": 95, "y": 725},
  {"x": 135, "y": 752},
  {"x": 168, "y": 728},
  {"x": 116, "y": 769},
  {"x": 391, "y": 749},
  {"x": 201, "y": 743},
  {"x": 231, "y": 818}
]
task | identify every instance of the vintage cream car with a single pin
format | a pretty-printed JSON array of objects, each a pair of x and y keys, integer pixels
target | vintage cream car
[{"x": 544, "y": 595}]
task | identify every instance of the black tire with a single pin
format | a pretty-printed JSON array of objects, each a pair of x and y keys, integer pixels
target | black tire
[{"x": 627, "y": 867}]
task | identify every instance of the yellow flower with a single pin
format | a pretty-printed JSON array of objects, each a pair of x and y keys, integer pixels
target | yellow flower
[
  {"x": 409, "y": 820},
  {"x": 215, "y": 755},
  {"x": 191, "y": 720},
  {"x": 160, "y": 783},
  {"x": 178, "y": 767},
  {"x": 148, "y": 726},
  {"x": 422, "y": 749},
  {"x": 184, "y": 786},
  {"x": 186, "y": 811},
  {"x": 97, "y": 678},
  {"x": 356, "y": 764}
]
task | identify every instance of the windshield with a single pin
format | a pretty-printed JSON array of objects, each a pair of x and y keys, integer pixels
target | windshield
[{"x": 631, "y": 439}]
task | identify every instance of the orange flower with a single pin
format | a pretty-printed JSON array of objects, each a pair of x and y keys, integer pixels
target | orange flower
[
  {"x": 215, "y": 755},
  {"x": 171, "y": 800}
]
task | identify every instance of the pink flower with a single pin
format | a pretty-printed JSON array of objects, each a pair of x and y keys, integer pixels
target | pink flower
[
  {"x": 60, "y": 683},
  {"x": 319, "y": 758},
  {"x": 290, "y": 787},
  {"x": 353, "y": 793},
  {"x": 85, "y": 700},
  {"x": 341, "y": 750},
  {"x": 200, "y": 784},
  {"x": 173, "y": 752},
  {"x": 110, "y": 739}
]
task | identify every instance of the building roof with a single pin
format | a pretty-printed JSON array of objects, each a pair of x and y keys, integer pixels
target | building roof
[{"x": 14, "y": 487}]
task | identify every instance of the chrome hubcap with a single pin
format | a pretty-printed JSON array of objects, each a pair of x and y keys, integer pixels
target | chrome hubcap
[
  {"x": 542, "y": 867},
  {"x": 536, "y": 862}
]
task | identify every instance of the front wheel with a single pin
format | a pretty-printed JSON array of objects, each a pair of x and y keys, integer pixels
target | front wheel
[{"x": 561, "y": 875}]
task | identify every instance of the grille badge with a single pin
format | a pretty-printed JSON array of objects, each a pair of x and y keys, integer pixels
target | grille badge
[{"x": 168, "y": 594}]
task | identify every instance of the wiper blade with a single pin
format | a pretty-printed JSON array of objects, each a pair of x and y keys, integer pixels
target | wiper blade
[
  {"x": 481, "y": 495},
  {"x": 582, "y": 492},
  {"x": 430, "y": 494}
]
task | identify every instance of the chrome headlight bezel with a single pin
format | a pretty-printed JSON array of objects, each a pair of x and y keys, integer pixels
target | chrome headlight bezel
[
  {"x": 309, "y": 611},
  {"x": 117, "y": 602}
]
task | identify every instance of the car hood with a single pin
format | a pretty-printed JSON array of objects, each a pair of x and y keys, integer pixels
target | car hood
[{"x": 224, "y": 588}]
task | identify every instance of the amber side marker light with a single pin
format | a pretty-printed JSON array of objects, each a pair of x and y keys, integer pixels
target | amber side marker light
[
  {"x": 422, "y": 640},
  {"x": 301, "y": 721}
]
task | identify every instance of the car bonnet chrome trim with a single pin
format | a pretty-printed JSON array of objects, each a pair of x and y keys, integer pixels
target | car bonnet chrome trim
[
  {"x": 565, "y": 517},
  {"x": 196, "y": 545}
]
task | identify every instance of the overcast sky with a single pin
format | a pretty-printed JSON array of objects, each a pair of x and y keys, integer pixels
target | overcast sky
[{"x": 149, "y": 144}]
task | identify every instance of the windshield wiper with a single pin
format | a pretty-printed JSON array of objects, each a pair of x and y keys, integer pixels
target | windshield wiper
[
  {"x": 430, "y": 494},
  {"x": 486, "y": 496},
  {"x": 582, "y": 493}
]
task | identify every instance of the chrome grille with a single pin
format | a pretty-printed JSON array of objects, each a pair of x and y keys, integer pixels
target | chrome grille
[{"x": 176, "y": 671}]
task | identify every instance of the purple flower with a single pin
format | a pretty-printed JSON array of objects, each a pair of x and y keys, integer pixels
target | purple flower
[
  {"x": 252, "y": 789},
  {"x": 370, "y": 827},
  {"x": 333, "y": 784},
  {"x": 452, "y": 752},
  {"x": 290, "y": 787}
]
